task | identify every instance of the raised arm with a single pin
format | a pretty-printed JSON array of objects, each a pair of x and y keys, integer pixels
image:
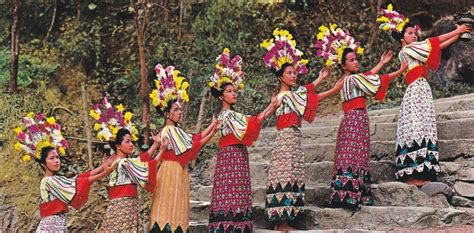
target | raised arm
[
  {"x": 454, "y": 33},
  {"x": 323, "y": 73},
  {"x": 209, "y": 128},
  {"x": 397, "y": 73},
  {"x": 107, "y": 169},
  {"x": 337, "y": 87},
  {"x": 211, "y": 134},
  {"x": 156, "y": 143},
  {"x": 274, "y": 104},
  {"x": 384, "y": 59}
]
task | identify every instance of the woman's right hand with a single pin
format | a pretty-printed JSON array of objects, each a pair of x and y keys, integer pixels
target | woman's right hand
[
  {"x": 164, "y": 144},
  {"x": 463, "y": 28}
]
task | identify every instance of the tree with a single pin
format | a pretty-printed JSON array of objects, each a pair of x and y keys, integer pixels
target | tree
[
  {"x": 140, "y": 14},
  {"x": 15, "y": 47}
]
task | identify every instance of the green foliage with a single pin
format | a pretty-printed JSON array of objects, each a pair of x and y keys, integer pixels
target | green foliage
[{"x": 34, "y": 65}]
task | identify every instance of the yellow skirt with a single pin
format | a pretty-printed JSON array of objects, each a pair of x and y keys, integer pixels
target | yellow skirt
[{"x": 170, "y": 204}]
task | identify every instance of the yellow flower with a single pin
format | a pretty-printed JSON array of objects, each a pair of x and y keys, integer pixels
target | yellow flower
[
  {"x": 304, "y": 61},
  {"x": 329, "y": 62},
  {"x": 178, "y": 81},
  {"x": 120, "y": 108},
  {"x": 184, "y": 86},
  {"x": 30, "y": 115},
  {"x": 17, "y": 146},
  {"x": 386, "y": 27},
  {"x": 382, "y": 19},
  {"x": 61, "y": 151},
  {"x": 266, "y": 43},
  {"x": 114, "y": 130},
  {"x": 390, "y": 7},
  {"x": 360, "y": 50},
  {"x": 134, "y": 130},
  {"x": 226, "y": 50},
  {"x": 97, "y": 126},
  {"x": 128, "y": 116},
  {"x": 211, "y": 84},
  {"x": 134, "y": 137},
  {"x": 340, "y": 50},
  {"x": 185, "y": 97},
  {"x": 26, "y": 158},
  {"x": 94, "y": 115},
  {"x": 157, "y": 84},
  {"x": 400, "y": 26},
  {"x": 332, "y": 26},
  {"x": 241, "y": 86},
  {"x": 320, "y": 36},
  {"x": 17, "y": 130},
  {"x": 51, "y": 120},
  {"x": 155, "y": 102},
  {"x": 323, "y": 28}
]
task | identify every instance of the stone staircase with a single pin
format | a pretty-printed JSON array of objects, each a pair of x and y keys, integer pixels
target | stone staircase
[{"x": 397, "y": 205}]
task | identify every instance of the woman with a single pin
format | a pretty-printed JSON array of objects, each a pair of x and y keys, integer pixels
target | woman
[
  {"x": 351, "y": 182},
  {"x": 285, "y": 186},
  {"x": 231, "y": 202},
  {"x": 417, "y": 149},
  {"x": 123, "y": 210},
  {"x": 42, "y": 140},
  {"x": 170, "y": 204}
]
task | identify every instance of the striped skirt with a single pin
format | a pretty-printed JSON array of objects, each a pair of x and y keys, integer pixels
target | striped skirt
[
  {"x": 417, "y": 137},
  {"x": 351, "y": 180},
  {"x": 170, "y": 204},
  {"x": 285, "y": 186},
  {"x": 231, "y": 203},
  {"x": 122, "y": 215},
  {"x": 53, "y": 223}
]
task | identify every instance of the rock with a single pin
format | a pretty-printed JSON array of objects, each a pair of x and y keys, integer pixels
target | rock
[
  {"x": 462, "y": 202},
  {"x": 401, "y": 194},
  {"x": 466, "y": 174},
  {"x": 464, "y": 189},
  {"x": 433, "y": 188},
  {"x": 457, "y": 60}
]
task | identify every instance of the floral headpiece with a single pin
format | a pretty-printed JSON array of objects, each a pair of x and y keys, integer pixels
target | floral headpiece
[
  {"x": 169, "y": 86},
  {"x": 392, "y": 20},
  {"x": 283, "y": 50},
  {"x": 331, "y": 42},
  {"x": 36, "y": 133},
  {"x": 109, "y": 121},
  {"x": 228, "y": 71}
]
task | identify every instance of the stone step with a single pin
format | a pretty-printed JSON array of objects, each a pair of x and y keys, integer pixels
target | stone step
[
  {"x": 378, "y": 132},
  {"x": 449, "y": 150},
  {"x": 385, "y": 194},
  {"x": 335, "y": 120},
  {"x": 445, "y": 105},
  {"x": 366, "y": 218}
]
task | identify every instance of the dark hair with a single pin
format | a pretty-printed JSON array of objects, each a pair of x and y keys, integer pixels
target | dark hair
[
  {"x": 44, "y": 154},
  {"x": 119, "y": 138},
  {"x": 344, "y": 54},
  {"x": 280, "y": 72},
  {"x": 167, "y": 108},
  {"x": 398, "y": 36},
  {"x": 218, "y": 93}
]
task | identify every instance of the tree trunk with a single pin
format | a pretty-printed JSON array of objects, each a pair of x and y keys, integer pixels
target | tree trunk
[
  {"x": 181, "y": 12},
  {"x": 15, "y": 48},
  {"x": 87, "y": 125},
  {"x": 140, "y": 15},
  {"x": 166, "y": 17},
  {"x": 78, "y": 10},
  {"x": 374, "y": 30},
  {"x": 204, "y": 99},
  {"x": 53, "y": 19}
]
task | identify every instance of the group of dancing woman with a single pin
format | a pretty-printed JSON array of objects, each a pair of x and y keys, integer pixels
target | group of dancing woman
[{"x": 163, "y": 168}]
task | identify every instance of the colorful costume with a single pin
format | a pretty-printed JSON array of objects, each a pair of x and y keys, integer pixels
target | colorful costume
[
  {"x": 123, "y": 210},
  {"x": 231, "y": 202},
  {"x": 351, "y": 181},
  {"x": 285, "y": 186},
  {"x": 417, "y": 139},
  {"x": 57, "y": 192},
  {"x": 170, "y": 204}
]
